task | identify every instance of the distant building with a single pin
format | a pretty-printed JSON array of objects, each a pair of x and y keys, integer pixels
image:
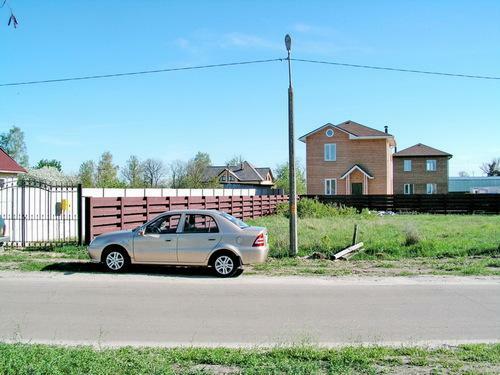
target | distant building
[
  {"x": 9, "y": 167},
  {"x": 476, "y": 185},
  {"x": 421, "y": 169},
  {"x": 243, "y": 176}
]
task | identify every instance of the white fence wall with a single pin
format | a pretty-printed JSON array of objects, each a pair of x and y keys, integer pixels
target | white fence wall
[
  {"x": 39, "y": 214},
  {"x": 107, "y": 192}
]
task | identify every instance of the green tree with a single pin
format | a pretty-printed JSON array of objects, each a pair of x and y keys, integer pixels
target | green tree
[
  {"x": 107, "y": 172},
  {"x": 133, "y": 172},
  {"x": 49, "y": 163},
  {"x": 282, "y": 180},
  {"x": 195, "y": 172},
  {"x": 12, "y": 142},
  {"x": 87, "y": 174}
]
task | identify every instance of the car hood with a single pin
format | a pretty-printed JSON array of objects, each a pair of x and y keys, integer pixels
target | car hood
[{"x": 114, "y": 236}]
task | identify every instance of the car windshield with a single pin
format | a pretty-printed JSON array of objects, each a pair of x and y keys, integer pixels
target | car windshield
[{"x": 235, "y": 221}]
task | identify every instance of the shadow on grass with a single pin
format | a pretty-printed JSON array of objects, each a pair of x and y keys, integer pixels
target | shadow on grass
[{"x": 69, "y": 268}]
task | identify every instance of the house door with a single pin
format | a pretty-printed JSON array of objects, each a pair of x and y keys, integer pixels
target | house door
[{"x": 356, "y": 188}]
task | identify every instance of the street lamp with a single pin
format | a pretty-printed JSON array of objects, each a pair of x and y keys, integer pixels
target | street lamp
[{"x": 292, "y": 197}]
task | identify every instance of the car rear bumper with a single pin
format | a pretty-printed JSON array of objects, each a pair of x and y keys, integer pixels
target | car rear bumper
[{"x": 255, "y": 255}]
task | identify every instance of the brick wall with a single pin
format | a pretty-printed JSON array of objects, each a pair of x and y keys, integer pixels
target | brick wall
[
  {"x": 373, "y": 154},
  {"x": 419, "y": 176}
]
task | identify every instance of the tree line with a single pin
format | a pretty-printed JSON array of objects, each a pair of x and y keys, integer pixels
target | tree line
[
  {"x": 136, "y": 173},
  {"x": 149, "y": 173}
]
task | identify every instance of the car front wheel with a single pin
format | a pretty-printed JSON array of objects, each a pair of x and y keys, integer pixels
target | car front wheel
[
  {"x": 225, "y": 265},
  {"x": 116, "y": 261}
]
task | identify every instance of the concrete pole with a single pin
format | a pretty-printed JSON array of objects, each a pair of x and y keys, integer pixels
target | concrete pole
[{"x": 291, "y": 158}]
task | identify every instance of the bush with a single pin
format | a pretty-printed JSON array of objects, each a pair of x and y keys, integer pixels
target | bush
[
  {"x": 412, "y": 237},
  {"x": 312, "y": 208}
]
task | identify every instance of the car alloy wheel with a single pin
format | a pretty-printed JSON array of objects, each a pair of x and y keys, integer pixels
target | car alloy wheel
[
  {"x": 115, "y": 260},
  {"x": 224, "y": 265}
]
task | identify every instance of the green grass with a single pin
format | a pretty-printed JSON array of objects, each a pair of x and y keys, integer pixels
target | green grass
[
  {"x": 394, "y": 246},
  {"x": 36, "y": 258},
  {"x": 42, "y": 359},
  {"x": 391, "y": 237}
]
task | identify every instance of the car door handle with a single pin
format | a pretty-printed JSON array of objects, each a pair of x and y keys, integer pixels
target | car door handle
[
  {"x": 167, "y": 240},
  {"x": 211, "y": 239}
]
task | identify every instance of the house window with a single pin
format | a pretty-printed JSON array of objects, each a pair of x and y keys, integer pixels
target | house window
[
  {"x": 431, "y": 189},
  {"x": 330, "y": 152},
  {"x": 223, "y": 178},
  {"x": 330, "y": 186},
  {"x": 407, "y": 165},
  {"x": 409, "y": 188},
  {"x": 430, "y": 165},
  {"x": 329, "y": 133},
  {"x": 231, "y": 178}
]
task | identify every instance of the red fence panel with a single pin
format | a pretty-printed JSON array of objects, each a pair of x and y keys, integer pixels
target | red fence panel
[{"x": 109, "y": 214}]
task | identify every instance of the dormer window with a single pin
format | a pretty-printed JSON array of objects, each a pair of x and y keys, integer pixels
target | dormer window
[{"x": 223, "y": 178}]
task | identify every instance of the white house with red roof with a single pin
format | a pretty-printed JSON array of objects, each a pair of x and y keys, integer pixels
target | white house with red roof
[{"x": 8, "y": 166}]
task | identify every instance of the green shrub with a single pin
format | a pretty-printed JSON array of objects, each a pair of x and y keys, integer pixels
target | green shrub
[
  {"x": 312, "y": 208},
  {"x": 412, "y": 237}
]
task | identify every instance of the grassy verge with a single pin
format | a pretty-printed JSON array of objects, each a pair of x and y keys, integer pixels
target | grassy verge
[
  {"x": 400, "y": 245},
  {"x": 41, "y": 359},
  {"x": 391, "y": 237}
]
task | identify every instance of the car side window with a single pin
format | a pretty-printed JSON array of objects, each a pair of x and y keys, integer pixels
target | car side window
[
  {"x": 196, "y": 223},
  {"x": 165, "y": 225}
]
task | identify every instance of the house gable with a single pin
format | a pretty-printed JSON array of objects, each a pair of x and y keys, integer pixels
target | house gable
[{"x": 8, "y": 165}]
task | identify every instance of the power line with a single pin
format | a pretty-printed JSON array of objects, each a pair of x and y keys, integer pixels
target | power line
[
  {"x": 246, "y": 63},
  {"x": 396, "y": 69},
  {"x": 138, "y": 73}
]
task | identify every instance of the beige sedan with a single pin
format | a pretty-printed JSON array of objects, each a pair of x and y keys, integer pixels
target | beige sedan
[{"x": 189, "y": 238}]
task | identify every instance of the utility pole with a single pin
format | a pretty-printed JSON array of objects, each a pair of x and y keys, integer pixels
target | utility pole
[{"x": 292, "y": 197}]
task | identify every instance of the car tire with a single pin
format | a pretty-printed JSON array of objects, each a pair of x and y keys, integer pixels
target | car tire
[
  {"x": 116, "y": 260},
  {"x": 225, "y": 265}
]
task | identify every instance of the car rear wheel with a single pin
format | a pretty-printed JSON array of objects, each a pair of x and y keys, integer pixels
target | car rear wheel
[
  {"x": 116, "y": 261},
  {"x": 225, "y": 265}
]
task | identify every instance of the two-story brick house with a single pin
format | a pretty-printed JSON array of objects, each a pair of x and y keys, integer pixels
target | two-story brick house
[
  {"x": 349, "y": 158},
  {"x": 421, "y": 169}
]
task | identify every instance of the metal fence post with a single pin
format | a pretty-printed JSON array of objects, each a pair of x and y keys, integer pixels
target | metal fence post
[{"x": 79, "y": 214}]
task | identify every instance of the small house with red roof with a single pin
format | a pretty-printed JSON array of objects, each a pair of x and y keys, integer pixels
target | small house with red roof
[
  {"x": 421, "y": 169},
  {"x": 8, "y": 166}
]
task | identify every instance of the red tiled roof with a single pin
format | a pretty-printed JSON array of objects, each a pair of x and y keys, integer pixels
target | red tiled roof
[
  {"x": 7, "y": 164},
  {"x": 421, "y": 150},
  {"x": 361, "y": 130},
  {"x": 353, "y": 128}
]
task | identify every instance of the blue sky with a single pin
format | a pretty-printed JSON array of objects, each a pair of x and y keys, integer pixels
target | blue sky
[{"x": 243, "y": 110}]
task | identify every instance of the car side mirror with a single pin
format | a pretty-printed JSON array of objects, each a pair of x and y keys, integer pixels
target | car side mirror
[{"x": 141, "y": 232}]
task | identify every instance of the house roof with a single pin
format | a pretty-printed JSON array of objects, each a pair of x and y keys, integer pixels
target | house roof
[
  {"x": 421, "y": 150},
  {"x": 352, "y": 128},
  {"x": 9, "y": 165},
  {"x": 359, "y": 168},
  {"x": 243, "y": 172}
]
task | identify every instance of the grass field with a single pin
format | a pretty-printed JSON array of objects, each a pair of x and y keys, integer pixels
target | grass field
[
  {"x": 391, "y": 237},
  {"x": 400, "y": 245},
  {"x": 41, "y": 359}
]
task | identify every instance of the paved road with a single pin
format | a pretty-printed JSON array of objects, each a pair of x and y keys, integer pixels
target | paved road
[{"x": 111, "y": 310}]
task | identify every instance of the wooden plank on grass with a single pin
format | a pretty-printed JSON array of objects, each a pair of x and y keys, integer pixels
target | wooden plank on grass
[{"x": 348, "y": 250}]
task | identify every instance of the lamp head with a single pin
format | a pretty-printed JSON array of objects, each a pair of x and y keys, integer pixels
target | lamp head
[{"x": 288, "y": 42}]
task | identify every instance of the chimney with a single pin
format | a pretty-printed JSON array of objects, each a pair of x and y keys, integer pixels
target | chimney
[{"x": 386, "y": 129}]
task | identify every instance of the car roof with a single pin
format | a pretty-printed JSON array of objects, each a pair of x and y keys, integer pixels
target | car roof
[{"x": 192, "y": 211}]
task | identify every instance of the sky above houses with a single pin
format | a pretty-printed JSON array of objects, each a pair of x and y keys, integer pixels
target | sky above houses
[{"x": 243, "y": 110}]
